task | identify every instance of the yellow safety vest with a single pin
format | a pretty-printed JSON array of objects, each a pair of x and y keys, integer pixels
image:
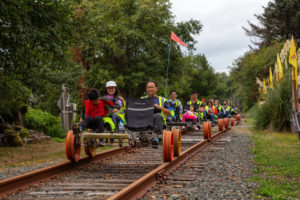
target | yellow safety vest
[{"x": 161, "y": 102}]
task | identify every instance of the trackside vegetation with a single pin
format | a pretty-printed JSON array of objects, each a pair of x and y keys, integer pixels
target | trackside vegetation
[
  {"x": 274, "y": 111},
  {"x": 277, "y": 159},
  {"x": 45, "y": 122}
]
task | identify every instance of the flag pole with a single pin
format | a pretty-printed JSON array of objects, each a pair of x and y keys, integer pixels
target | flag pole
[{"x": 168, "y": 69}]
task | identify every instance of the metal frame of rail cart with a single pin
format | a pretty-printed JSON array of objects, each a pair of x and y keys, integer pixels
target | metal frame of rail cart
[{"x": 138, "y": 132}]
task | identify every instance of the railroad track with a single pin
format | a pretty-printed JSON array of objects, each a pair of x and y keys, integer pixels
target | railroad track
[{"x": 123, "y": 173}]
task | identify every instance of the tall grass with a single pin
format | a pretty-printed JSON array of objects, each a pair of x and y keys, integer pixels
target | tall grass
[{"x": 275, "y": 111}]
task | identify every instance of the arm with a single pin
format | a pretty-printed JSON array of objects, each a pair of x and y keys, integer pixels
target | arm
[{"x": 163, "y": 109}]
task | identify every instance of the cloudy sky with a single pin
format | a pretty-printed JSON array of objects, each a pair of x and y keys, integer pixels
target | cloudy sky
[{"x": 222, "y": 39}]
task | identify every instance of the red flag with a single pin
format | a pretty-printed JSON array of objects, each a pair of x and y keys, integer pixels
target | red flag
[{"x": 177, "y": 39}]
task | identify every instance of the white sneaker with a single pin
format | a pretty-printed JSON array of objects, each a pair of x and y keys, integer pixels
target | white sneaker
[
  {"x": 195, "y": 128},
  {"x": 183, "y": 127}
]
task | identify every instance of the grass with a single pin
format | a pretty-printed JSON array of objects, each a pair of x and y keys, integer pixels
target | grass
[{"x": 277, "y": 158}]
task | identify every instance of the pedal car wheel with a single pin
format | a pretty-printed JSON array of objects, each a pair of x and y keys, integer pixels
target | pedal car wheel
[
  {"x": 209, "y": 129},
  {"x": 90, "y": 148},
  {"x": 177, "y": 141},
  {"x": 220, "y": 124},
  {"x": 68, "y": 144},
  {"x": 238, "y": 117},
  {"x": 73, "y": 147},
  {"x": 226, "y": 122},
  {"x": 232, "y": 121},
  {"x": 206, "y": 130},
  {"x": 168, "y": 146}
]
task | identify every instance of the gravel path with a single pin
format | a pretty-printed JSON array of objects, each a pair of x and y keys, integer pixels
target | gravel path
[
  {"x": 14, "y": 171},
  {"x": 219, "y": 172}
]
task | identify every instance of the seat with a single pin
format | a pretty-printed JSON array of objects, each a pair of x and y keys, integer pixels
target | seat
[{"x": 140, "y": 114}]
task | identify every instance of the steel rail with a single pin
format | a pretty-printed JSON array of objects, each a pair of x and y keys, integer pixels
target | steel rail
[
  {"x": 22, "y": 181},
  {"x": 138, "y": 188}
]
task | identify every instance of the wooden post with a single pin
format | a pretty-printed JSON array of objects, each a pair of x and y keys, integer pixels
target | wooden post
[
  {"x": 295, "y": 91},
  {"x": 67, "y": 109}
]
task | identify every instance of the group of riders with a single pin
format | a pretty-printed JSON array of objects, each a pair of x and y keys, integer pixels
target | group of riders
[{"x": 108, "y": 109}]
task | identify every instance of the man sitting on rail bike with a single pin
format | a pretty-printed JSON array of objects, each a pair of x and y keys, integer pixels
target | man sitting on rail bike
[
  {"x": 161, "y": 110},
  {"x": 177, "y": 107},
  {"x": 221, "y": 110}
]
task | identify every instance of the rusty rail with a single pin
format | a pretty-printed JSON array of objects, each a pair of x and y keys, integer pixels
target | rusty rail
[
  {"x": 138, "y": 188},
  {"x": 13, "y": 184}
]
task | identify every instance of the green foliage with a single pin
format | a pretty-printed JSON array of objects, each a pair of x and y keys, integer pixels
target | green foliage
[
  {"x": 253, "y": 64},
  {"x": 127, "y": 41},
  {"x": 34, "y": 58},
  {"x": 197, "y": 74},
  {"x": 28, "y": 30},
  {"x": 45, "y": 122},
  {"x": 277, "y": 164},
  {"x": 59, "y": 140},
  {"x": 280, "y": 20},
  {"x": 24, "y": 132},
  {"x": 14, "y": 97},
  {"x": 275, "y": 111}
]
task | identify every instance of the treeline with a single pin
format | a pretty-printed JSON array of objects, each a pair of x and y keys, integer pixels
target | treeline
[
  {"x": 278, "y": 23},
  {"x": 86, "y": 43}
]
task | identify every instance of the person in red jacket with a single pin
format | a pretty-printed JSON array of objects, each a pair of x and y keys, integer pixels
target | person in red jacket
[{"x": 94, "y": 111}]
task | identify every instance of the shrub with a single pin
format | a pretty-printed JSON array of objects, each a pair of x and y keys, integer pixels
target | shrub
[
  {"x": 44, "y": 122},
  {"x": 24, "y": 132},
  {"x": 275, "y": 112}
]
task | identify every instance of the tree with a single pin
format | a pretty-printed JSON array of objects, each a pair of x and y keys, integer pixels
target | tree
[
  {"x": 254, "y": 63},
  {"x": 280, "y": 20},
  {"x": 127, "y": 41},
  {"x": 35, "y": 38}
]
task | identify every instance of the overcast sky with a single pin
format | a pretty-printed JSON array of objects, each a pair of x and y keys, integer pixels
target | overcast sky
[{"x": 222, "y": 39}]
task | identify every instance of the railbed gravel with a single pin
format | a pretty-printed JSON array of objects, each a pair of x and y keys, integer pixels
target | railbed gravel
[
  {"x": 9, "y": 172},
  {"x": 222, "y": 174}
]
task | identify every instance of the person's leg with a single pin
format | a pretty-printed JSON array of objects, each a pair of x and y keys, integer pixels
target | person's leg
[
  {"x": 212, "y": 118},
  {"x": 116, "y": 119},
  {"x": 158, "y": 123},
  {"x": 86, "y": 122},
  {"x": 100, "y": 124},
  {"x": 193, "y": 118},
  {"x": 205, "y": 114},
  {"x": 184, "y": 117},
  {"x": 100, "y": 128}
]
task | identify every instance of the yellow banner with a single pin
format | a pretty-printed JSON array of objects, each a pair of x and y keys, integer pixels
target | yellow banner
[
  {"x": 293, "y": 59},
  {"x": 271, "y": 78},
  {"x": 280, "y": 68}
]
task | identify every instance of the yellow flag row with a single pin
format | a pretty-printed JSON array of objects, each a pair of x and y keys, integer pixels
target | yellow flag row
[{"x": 278, "y": 65}]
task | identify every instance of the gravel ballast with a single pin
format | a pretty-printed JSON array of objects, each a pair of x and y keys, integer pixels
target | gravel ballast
[{"x": 218, "y": 172}]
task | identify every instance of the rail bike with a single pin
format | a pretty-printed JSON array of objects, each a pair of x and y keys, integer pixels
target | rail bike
[{"x": 138, "y": 132}]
